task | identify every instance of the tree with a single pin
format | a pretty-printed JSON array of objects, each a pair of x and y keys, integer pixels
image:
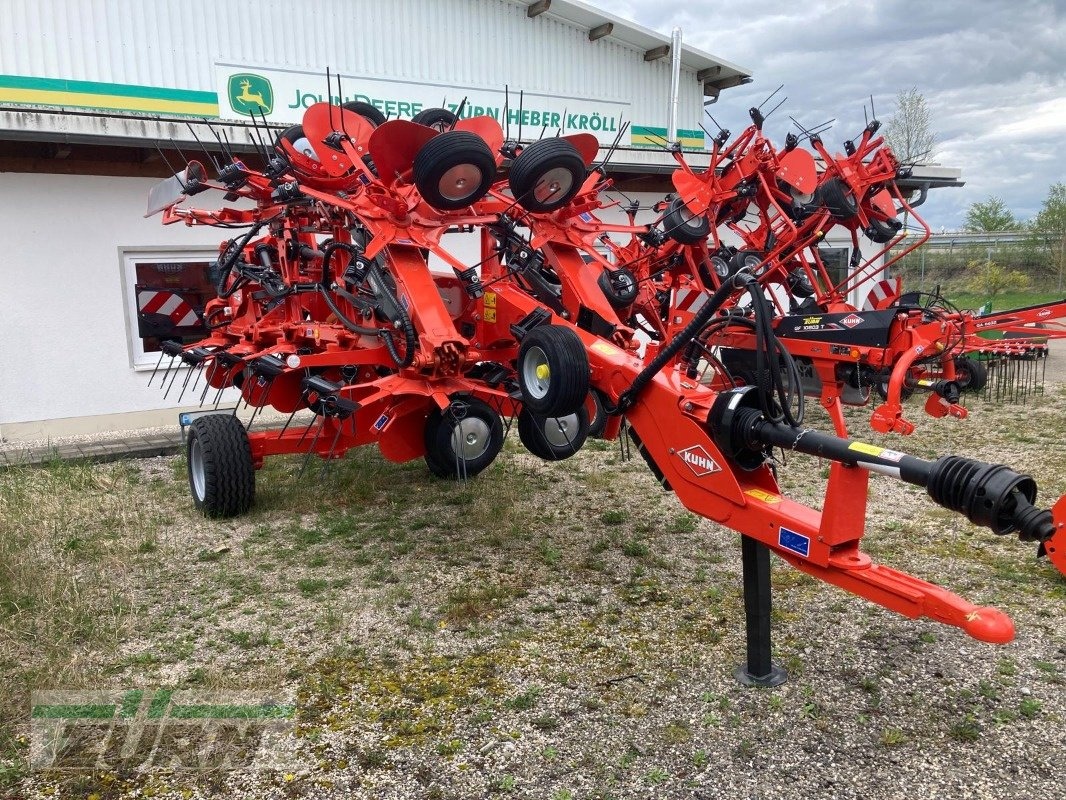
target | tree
[
  {"x": 1050, "y": 224},
  {"x": 992, "y": 279},
  {"x": 909, "y": 132},
  {"x": 990, "y": 216}
]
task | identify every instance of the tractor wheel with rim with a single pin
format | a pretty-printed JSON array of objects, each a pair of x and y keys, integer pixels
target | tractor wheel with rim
[
  {"x": 882, "y": 231},
  {"x": 463, "y": 439},
  {"x": 221, "y": 472},
  {"x": 619, "y": 286},
  {"x": 454, "y": 170},
  {"x": 294, "y": 135},
  {"x": 971, "y": 375},
  {"x": 597, "y": 413},
  {"x": 553, "y": 438},
  {"x": 439, "y": 118},
  {"x": 553, "y": 371},
  {"x": 838, "y": 198},
  {"x": 366, "y": 111},
  {"x": 682, "y": 225},
  {"x": 546, "y": 175}
]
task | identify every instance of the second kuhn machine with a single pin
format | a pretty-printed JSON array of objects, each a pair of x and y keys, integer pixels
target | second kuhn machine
[{"x": 699, "y": 351}]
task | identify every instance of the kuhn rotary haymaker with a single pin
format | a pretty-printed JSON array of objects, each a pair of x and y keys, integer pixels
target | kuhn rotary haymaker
[{"x": 327, "y": 305}]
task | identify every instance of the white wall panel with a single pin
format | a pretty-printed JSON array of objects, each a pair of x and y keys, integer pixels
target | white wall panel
[{"x": 175, "y": 43}]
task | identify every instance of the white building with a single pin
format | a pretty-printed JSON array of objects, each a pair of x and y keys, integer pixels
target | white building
[{"x": 97, "y": 98}]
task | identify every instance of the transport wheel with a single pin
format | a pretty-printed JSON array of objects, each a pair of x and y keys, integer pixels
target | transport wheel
[
  {"x": 295, "y": 136},
  {"x": 366, "y": 111},
  {"x": 971, "y": 375},
  {"x": 682, "y": 225},
  {"x": 619, "y": 286},
  {"x": 454, "y": 170},
  {"x": 546, "y": 175},
  {"x": 553, "y": 371},
  {"x": 221, "y": 474},
  {"x": 553, "y": 438},
  {"x": 463, "y": 439},
  {"x": 835, "y": 195},
  {"x": 882, "y": 231},
  {"x": 597, "y": 413},
  {"x": 439, "y": 118}
]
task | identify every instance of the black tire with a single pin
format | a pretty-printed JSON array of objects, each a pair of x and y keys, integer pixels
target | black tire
[
  {"x": 546, "y": 175},
  {"x": 751, "y": 259},
  {"x": 970, "y": 374},
  {"x": 838, "y": 198},
  {"x": 440, "y": 118},
  {"x": 905, "y": 393},
  {"x": 882, "y": 231},
  {"x": 553, "y": 438},
  {"x": 681, "y": 226},
  {"x": 293, "y": 135},
  {"x": 464, "y": 439},
  {"x": 553, "y": 371},
  {"x": 598, "y": 420},
  {"x": 454, "y": 170},
  {"x": 221, "y": 473},
  {"x": 619, "y": 286},
  {"x": 366, "y": 111}
]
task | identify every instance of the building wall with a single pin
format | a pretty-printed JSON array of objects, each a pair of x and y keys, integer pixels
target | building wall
[
  {"x": 176, "y": 44},
  {"x": 63, "y": 327}
]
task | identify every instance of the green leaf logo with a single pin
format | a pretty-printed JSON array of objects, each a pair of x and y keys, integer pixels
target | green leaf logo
[{"x": 250, "y": 94}]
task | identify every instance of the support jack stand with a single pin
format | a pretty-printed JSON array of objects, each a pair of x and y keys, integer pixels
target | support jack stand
[{"x": 759, "y": 670}]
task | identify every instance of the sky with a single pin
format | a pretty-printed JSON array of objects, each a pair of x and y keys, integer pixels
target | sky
[{"x": 993, "y": 74}]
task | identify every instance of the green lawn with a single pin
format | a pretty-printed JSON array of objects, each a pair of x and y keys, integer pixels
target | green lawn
[{"x": 1004, "y": 302}]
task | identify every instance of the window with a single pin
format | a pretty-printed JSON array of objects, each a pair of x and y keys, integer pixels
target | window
[
  {"x": 165, "y": 293},
  {"x": 836, "y": 262}
]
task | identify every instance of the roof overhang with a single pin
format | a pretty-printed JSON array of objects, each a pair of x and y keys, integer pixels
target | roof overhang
[{"x": 713, "y": 72}]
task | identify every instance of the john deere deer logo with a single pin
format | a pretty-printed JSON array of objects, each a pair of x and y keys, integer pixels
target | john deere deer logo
[{"x": 250, "y": 94}]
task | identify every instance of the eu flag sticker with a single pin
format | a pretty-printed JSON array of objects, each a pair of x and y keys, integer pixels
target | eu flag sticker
[{"x": 796, "y": 542}]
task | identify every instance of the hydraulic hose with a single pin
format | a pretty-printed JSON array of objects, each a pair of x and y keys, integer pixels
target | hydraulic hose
[{"x": 990, "y": 495}]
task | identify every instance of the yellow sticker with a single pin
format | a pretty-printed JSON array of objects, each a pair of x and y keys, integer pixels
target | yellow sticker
[
  {"x": 759, "y": 494},
  {"x": 490, "y": 300},
  {"x": 603, "y": 348},
  {"x": 869, "y": 449},
  {"x": 490, "y": 315}
]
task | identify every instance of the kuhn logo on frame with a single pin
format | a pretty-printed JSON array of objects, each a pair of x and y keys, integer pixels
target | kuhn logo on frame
[{"x": 699, "y": 460}]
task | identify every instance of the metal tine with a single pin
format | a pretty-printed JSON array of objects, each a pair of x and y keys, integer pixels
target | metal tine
[
  {"x": 311, "y": 449},
  {"x": 285, "y": 427},
  {"x": 307, "y": 430},
  {"x": 170, "y": 166},
  {"x": 207, "y": 388},
  {"x": 340, "y": 99},
  {"x": 226, "y": 152},
  {"x": 211, "y": 156},
  {"x": 507, "y": 112},
  {"x": 173, "y": 378},
  {"x": 327, "y": 463},
  {"x": 185, "y": 383},
  {"x": 562, "y": 127},
  {"x": 767, "y": 100},
  {"x": 521, "y": 100},
  {"x": 157, "y": 363},
  {"x": 458, "y": 113}
]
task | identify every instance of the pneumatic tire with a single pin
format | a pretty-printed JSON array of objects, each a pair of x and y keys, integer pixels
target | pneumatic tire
[
  {"x": 221, "y": 472},
  {"x": 440, "y": 119},
  {"x": 553, "y": 438},
  {"x": 838, "y": 199},
  {"x": 463, "y": 439},
  {"x": 683, "y": 226},
  {"x": 546, "y": 175},
  {"x": 368, "y": 112},
  {"x": 553, "y": 371},
  {"x": 454, "y": 170}
]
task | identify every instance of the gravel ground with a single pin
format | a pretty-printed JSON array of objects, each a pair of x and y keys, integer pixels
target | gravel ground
[{"x": 569, "y": 631}]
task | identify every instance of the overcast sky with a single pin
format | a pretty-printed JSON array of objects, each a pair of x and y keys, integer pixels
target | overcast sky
[{"x": 993, "y": 75}]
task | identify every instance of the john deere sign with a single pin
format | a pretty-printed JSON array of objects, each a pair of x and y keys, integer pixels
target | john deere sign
[
  {"x": 250, "y": 94},
  {"x": 284, "y": 95}
]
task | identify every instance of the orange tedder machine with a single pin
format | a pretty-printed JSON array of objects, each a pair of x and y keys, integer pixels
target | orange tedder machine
[{"x": 327, "y": 305}]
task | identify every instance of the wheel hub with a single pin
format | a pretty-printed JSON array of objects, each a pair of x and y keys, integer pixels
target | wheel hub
[
  {"x": 536, "y": 372},
  {"x": 553, "y": 183},
  {"x": 559, "y": 431},
  {"x": 196, "y": 469},
  {"x": 470, "y": 439},
  {"x": 459, "y": 181}
]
